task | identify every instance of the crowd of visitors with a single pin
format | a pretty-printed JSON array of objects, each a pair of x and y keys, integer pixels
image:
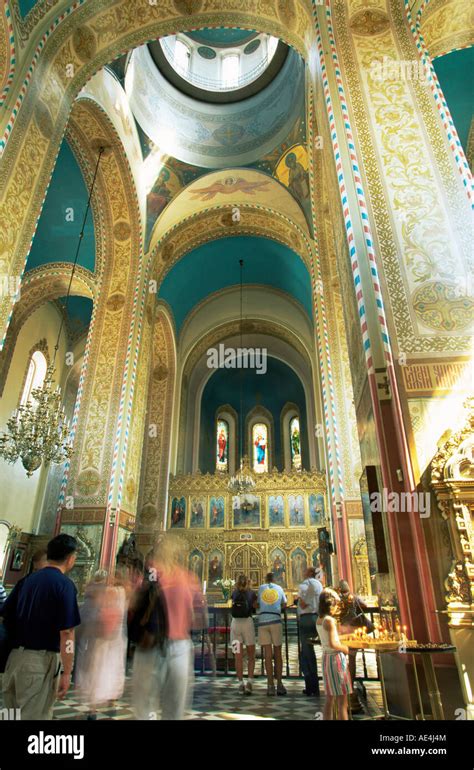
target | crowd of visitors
[{"x": 46, "y": 638}]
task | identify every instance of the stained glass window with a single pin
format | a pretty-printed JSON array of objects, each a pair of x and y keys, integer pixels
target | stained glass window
[
  {"x": 222, "y": 445},
  {"x": 260, "y": 448},
  {"x": 295, "y": 443}
]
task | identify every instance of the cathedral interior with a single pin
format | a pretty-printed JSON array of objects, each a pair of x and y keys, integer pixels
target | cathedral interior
[{"x": 235, "y": 243}]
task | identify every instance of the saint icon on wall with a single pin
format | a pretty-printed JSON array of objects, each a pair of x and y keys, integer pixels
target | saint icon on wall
[
  {"x": 196, "y": 563},
  {"x": 216, "y": 512},
  {"x": 197, "y": 513},
  {"x": 178, "y": 512},
  {"x": 316, "y": 510},
  {"x": 278, "y": 562},
  {"x": 299, "y": 565},
  {"x": 216, "y": 567},
  {"x": 276, "y": 516},
  {"x": 296, "y": 509}
]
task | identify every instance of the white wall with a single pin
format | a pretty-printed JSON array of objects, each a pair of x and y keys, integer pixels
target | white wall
[{"x": 19, "y": 494}]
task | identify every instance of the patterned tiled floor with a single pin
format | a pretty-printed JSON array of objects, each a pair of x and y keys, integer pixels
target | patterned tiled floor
[{"x": 216, "y": 698}]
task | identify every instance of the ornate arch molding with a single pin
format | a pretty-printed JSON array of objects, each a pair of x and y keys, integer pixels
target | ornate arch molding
[
  {"x": 43, "y": 284},
  {"x": 121, "y": 244},
  {"x": 452, "y": 478},
  {"x": 212, "y": 339},
  {"x": 217, "y": 223},
  {"x": 446, "y": 25},
  {"x": 93, "y": 35},
  {"x": 156, "y": 453}
]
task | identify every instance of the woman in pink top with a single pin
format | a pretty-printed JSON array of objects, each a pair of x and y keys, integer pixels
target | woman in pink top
[{"x": 171, "y": 668}]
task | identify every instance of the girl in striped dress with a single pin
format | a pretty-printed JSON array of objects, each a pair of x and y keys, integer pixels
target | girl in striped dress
[{"x": 337, "y": 680}]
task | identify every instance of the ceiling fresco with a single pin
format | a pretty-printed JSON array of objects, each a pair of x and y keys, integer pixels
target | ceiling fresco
[{"x": 214, "y": 135}]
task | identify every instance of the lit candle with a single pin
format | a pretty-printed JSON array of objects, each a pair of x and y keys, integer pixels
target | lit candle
[{"x": 204, "y": 588}]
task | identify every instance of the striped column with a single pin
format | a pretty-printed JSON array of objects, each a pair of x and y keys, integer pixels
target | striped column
[
  {"x": 328, "y": 394},
  {"x": 12, "y": 57},
  {"x": 417, "y": 538},
  {"x": 77, "y": 406}
]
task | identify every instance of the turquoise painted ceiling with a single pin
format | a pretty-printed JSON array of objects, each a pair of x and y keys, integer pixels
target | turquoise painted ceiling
[
  {"x": 454, "y": 73},
  {"x": 215, "y": 266},
  {"x": 79, "y": 312},
  {"x": 26, "y": 5},
  {"x": 221, "y": 36},
  {"x": 57, "y": 236}
]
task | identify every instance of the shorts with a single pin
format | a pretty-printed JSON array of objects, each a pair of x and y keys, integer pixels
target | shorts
[
  {"x": 243, "y": 631},
  {"x": 271, "y": 634}
]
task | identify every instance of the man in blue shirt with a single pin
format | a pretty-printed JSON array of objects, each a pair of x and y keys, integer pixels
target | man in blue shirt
[
  {"x": 40, "y": 616},
  {"x": 308, "y": 606},
  {"x": 271, "y": 603}
]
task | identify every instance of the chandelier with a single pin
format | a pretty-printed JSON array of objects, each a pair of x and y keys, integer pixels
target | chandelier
[
  {"x": 38, "y": 431},
  {"x": 242, "y": 484}
]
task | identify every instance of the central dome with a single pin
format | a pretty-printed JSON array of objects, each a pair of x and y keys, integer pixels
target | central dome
[{"x": 219, "y": 65}]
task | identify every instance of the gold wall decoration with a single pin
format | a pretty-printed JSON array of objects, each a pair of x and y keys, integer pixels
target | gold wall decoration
[
  {"x": 447, "y": 25},
  {"x": 96, "y": 429},
  {"x": 452, "y": 477},
  {"x": 254, "y": 549},
  {"x": 83, "y": 42},
  {"x": 152, "y": 503},
  {"x": 378, "y": 109},
  {"x": 424, "y": 379}
]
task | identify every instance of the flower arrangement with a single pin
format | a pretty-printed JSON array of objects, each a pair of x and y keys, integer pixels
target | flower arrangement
[{"x": 226, "y": 585}]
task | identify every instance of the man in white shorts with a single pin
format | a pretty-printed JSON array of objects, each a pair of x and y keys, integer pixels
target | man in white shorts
[{"x": 271, "y": 602}]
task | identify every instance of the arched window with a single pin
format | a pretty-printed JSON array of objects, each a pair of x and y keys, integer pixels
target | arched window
[
  {"x": 222, "y": 445},
  {"x": 295, "y": 443},
  {"x": 230, "y": 70},
  {"x": 35, "y": 375},
  {"x": 260, "y": 447},
  {"x": 182, "y": 57}
]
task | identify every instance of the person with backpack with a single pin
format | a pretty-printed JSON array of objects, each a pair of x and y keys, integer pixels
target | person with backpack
[
  {"x": 242, "y": 631},
  {"x": 164, "y": 658},
  {"x": 271, "y": 603}
]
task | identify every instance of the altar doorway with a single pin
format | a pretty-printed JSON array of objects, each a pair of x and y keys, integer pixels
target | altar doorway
[{"x": 248, "y": 560}]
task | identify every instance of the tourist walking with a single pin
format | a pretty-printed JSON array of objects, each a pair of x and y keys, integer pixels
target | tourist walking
[
  {"x": 308, "y": 605},
  {"x": 40, "y": 615},
  {"x": 101, "y": 644},
  {"x": 166, "y": 669},
  {"x": 271, "y": 603},
  {"x": 242, "y": 632},
  {"x": 337, "y": 680}
]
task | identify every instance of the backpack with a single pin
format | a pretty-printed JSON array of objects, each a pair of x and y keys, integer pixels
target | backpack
[
  {"x": 240, "y": 606},
  {"x": 148, "y": 625}
]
